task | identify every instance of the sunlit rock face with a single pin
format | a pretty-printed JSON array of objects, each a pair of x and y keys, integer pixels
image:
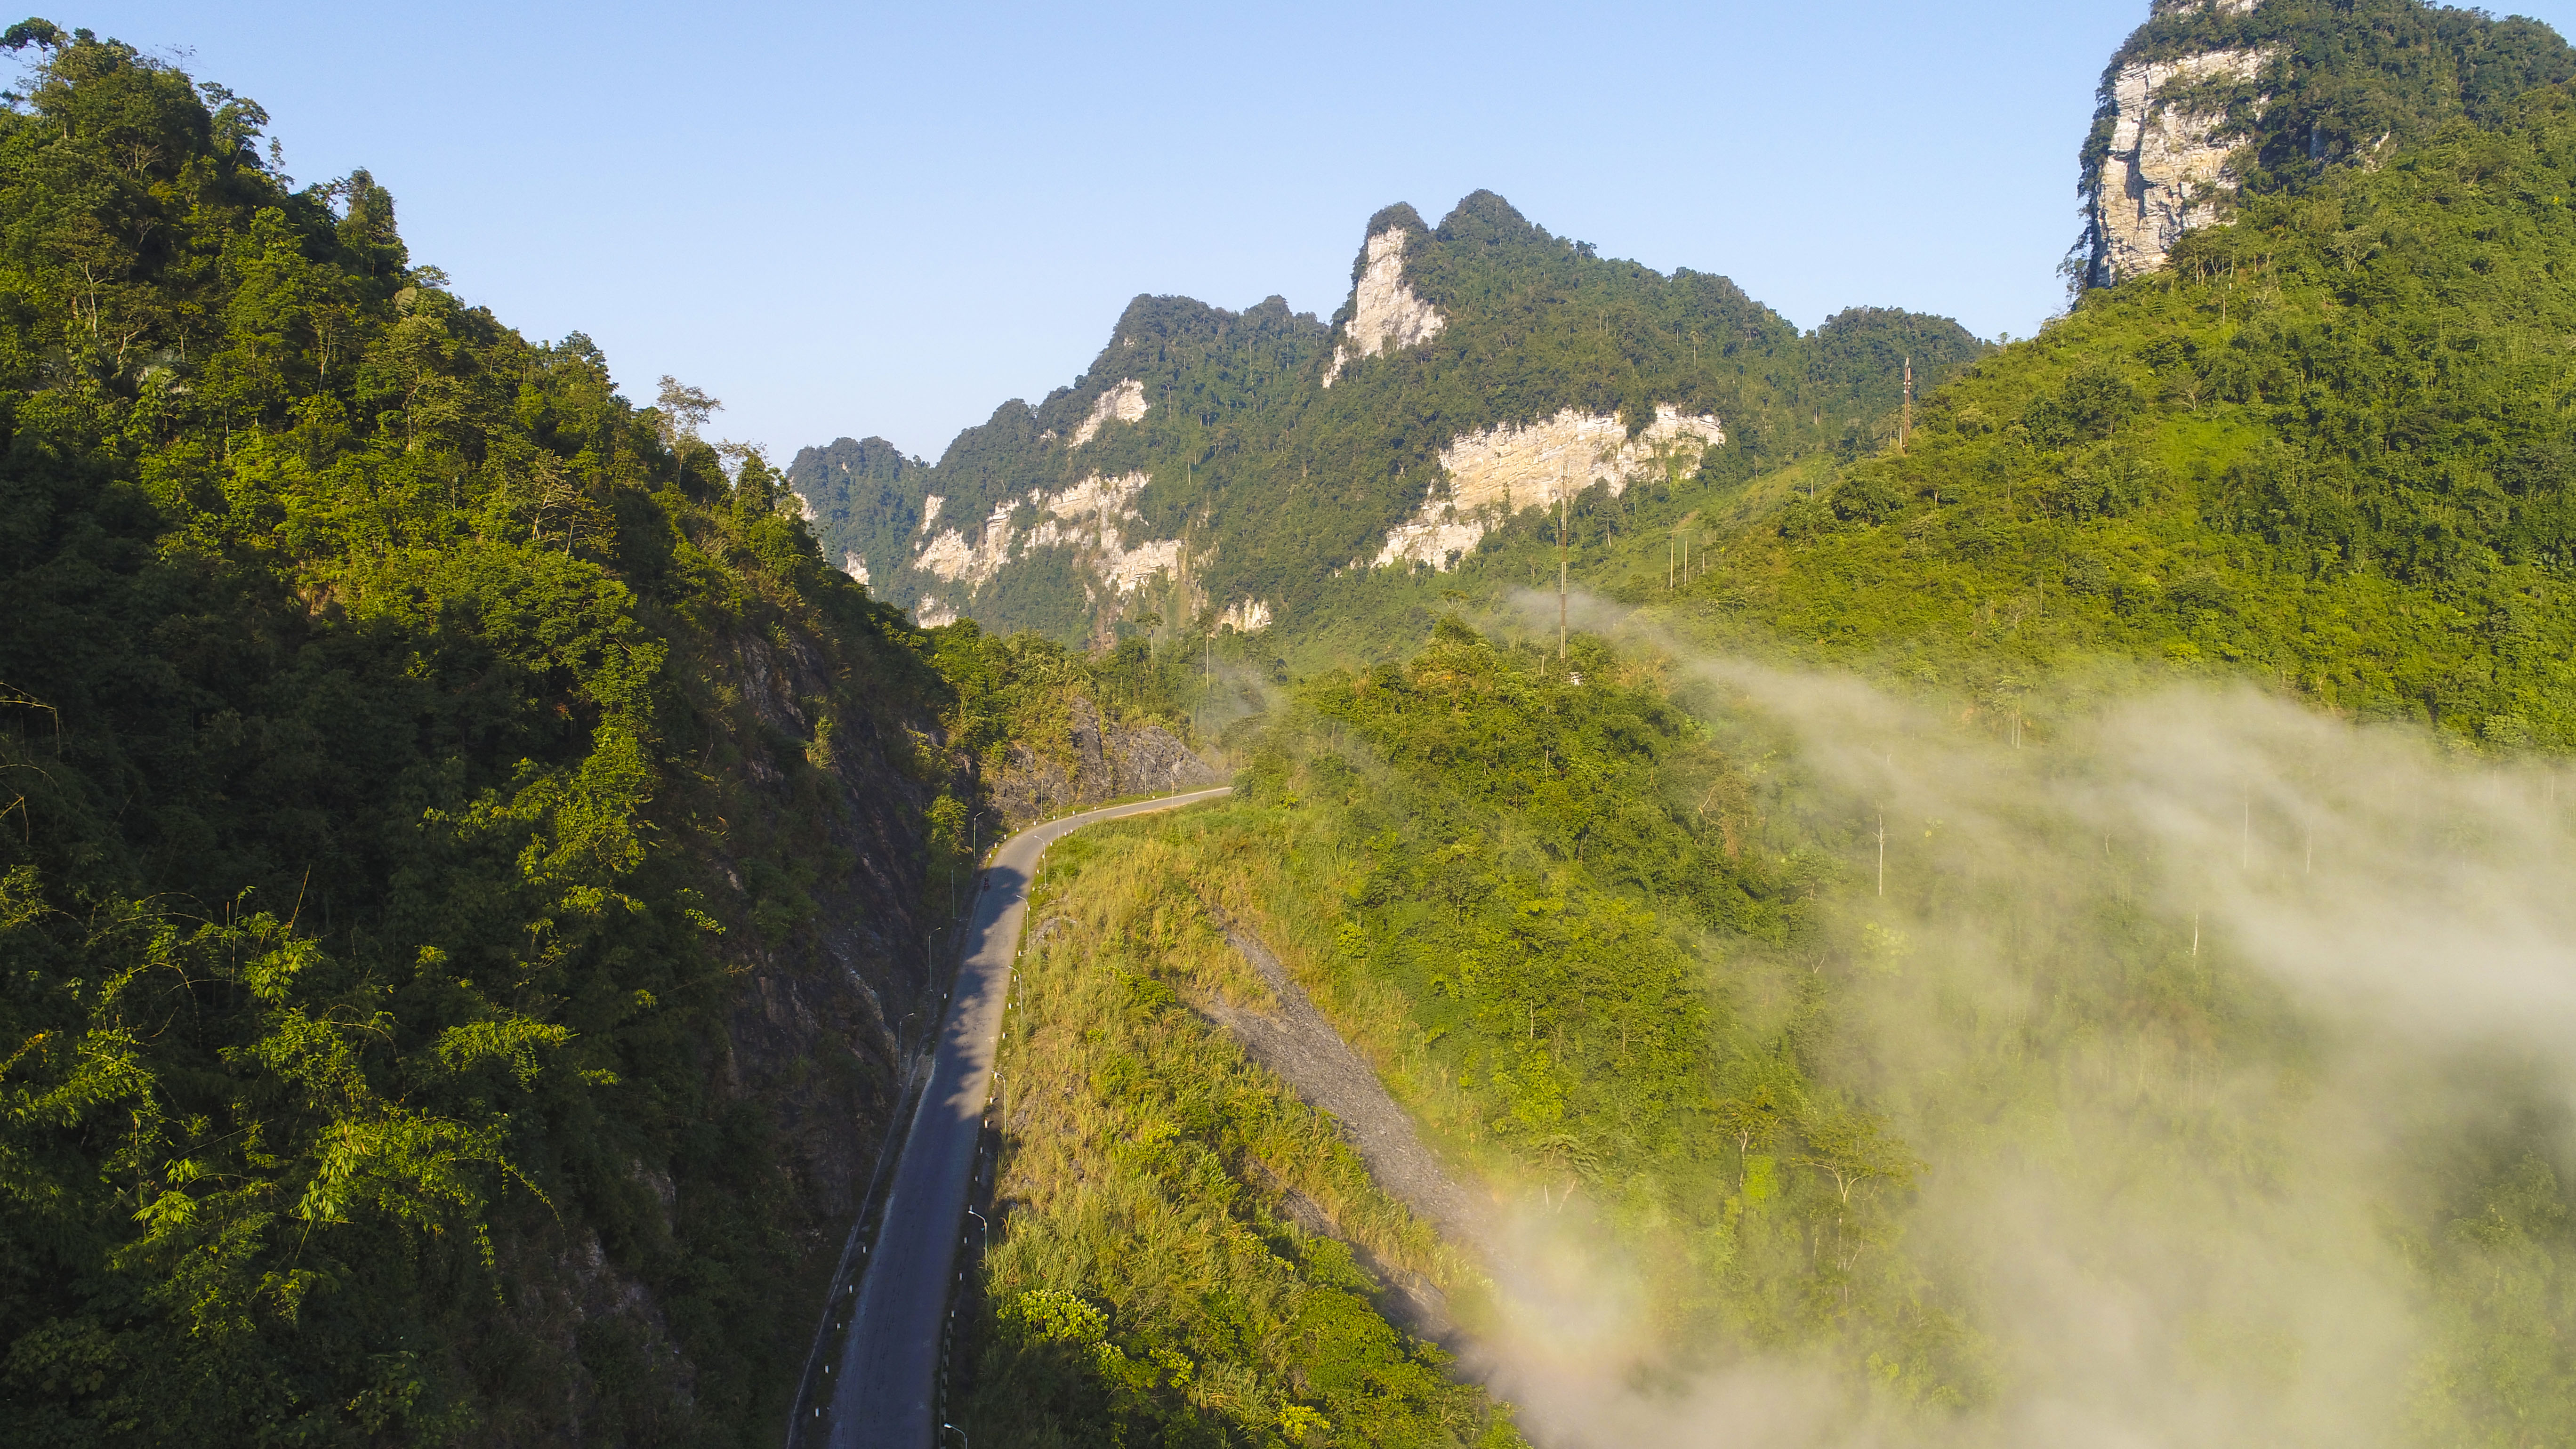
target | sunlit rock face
[
  {"x": 2167, "y": 172},
  {"x": 1124, "y": 403},
  {"x": 1093, "y": 518},
  {"x": 1499, "y": 471},
  {"x": 1245, "y": 616},
  {"x": 1385, "y": 313}
]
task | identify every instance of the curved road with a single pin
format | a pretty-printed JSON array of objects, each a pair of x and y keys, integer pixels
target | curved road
[{"x": 888, "y": 1374}]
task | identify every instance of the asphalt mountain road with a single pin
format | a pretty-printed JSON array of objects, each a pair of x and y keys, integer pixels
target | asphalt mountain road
[{"x": 887, "y": 1377}]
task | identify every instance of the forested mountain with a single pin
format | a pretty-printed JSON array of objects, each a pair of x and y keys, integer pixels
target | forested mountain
[
  {"x": 462, "y": 857},
  {"x": 1214, "y": 467},
  {"x": 2327, "y": 445},
  {"x": 1947, "y": 966}
]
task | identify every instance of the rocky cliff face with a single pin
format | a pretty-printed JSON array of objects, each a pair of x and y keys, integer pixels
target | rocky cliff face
[
  {"x": 1097, "y": 763},
  {"x": 1385, "y": 313},
  {"x": 811, "y": 1034},
  {"x": 1093, "y": 525},
  {"x": 1499, "y": 471},
  {"x": 1124, "y": 403},
  {"x": 2168, "y": 169}
]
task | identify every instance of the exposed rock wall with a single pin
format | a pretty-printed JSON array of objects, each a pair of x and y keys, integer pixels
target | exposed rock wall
[
  {"x": 1498, "y": 472},
  {"x": 819, "y": 977},
  {"x": 1093, "y": 518},
  {"x": 1245, "y": 616},
  {"x": 1124, "y": 403},
  {"x": 830, "y": 994},
  {"x": 1101, "y": 763},
  {"x": 1385, "y": 313},
  {"x": 1298, "y": 1042},
  {"x": 2167, "y": 171},
  {"x": 951, "y": 558}
]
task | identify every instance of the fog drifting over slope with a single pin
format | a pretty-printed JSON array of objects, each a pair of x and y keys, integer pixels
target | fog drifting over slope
[{"x": 2158, "y": 1222}]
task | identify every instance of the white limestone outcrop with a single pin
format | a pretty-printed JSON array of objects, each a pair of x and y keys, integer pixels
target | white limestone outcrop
[
  {"x": 1502, "y": 470},
  {"x": 1124, "y": 403},
  {"x": 1093, "y": 517},
  {"x": 1096, "y": 497},
  {"x": 1126, "y": 570},
  {"x": 952, "y": 558},
  {"x": 2167, "y": 172},
  {"x": 855, "y": 566},
  {"x": 930, "y": 613},
  {"x": 929, "y": 512},
  {"x": 1385, "y": 313},
  {"x": 1245, "y": 616}
]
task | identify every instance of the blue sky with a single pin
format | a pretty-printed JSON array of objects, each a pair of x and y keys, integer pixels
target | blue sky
[{"x": 887, "y": 219}]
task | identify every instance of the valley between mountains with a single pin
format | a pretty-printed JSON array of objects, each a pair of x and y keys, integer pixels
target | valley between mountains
[{"x": 1837, "y": 886}]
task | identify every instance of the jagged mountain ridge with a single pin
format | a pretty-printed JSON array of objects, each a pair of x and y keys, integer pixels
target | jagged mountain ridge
[{"x": 1223, "y": 468}]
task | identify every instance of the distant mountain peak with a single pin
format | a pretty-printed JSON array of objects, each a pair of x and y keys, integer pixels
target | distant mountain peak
[{"x": 1199, "y": 474}]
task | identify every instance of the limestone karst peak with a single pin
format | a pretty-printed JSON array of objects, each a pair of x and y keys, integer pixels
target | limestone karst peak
[
  {"x": 2211, "y": 97},
  {"x": 1385, "y": 312},
  {"x": 2168, "y": 169},
  {"x": 1221, "y": 470}
]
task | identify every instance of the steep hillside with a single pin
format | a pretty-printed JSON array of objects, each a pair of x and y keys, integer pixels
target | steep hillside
[
  {"x": 1222, "y": 470},
  {"x": 2328, "y": 446},
  {"x": 465, "y": 864},
  {"x": 871, "y": 501}
]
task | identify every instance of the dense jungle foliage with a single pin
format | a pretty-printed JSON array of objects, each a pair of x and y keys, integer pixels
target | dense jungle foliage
[
  {"x": 409, "y": 754},
  {"x": 1275, "y": 482},
  {"x": 1570, "y": 925},
  {"x": 1502, "y": 882},
  {"x": 414, "y": 760}
]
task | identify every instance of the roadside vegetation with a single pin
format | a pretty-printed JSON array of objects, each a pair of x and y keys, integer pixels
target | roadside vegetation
[{"x": 1147, "y": 1282}]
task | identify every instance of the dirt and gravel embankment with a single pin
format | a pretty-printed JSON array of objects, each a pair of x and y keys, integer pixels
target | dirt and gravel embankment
[
  {"x": 1099, "y": 762},
  {"x": 1301, "y": 1046}
]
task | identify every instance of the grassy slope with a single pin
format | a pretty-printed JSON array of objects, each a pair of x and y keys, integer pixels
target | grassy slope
[
  {"x": 1147, "y": 1284},
  {"x": 1460, "y": 858}
]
